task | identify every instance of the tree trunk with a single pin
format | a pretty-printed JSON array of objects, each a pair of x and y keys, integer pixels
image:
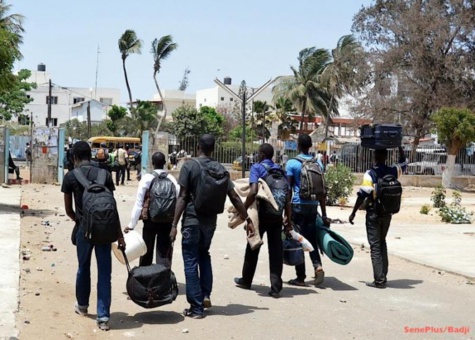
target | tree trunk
[
  {"x": 448, "y": 171},
  {"x": 163, "y": 105},
  {"x": 327, "y": 120},
  {"x": 127, "y": 84},
  {"x": 304, "y": 108}
]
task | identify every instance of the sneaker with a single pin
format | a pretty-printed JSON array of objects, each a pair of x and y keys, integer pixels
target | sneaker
[
  {"x": 103, "y": 325},
  {"x": 80, "y": 310},
  {"x": 192, "y": 315},
  {"x": 376, "y": 285},
  {"x": 239, "y": 281},
  {"x": 319, "y": 277},
  {"x": 207, "y": 303}
]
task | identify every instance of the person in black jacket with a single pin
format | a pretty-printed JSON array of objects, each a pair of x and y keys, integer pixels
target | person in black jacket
[{"x": 13, "y": 168}]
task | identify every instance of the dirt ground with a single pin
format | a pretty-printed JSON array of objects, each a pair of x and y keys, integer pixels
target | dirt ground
[{"x": 47, "y": 285}]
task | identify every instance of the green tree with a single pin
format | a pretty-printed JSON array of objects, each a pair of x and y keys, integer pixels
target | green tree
[
  {"x": 144, "y": 118},
  {"x": 116, "y": 113},
  {"x": 129, "y": 44},
  {"x": 305, "y": 88},
  {"x": 191, "y": 123},
  {"x": 340, "y": 75},
  {"x": 78, "y": 130},
  {"x": 11, "y": 29},
  {"x": 284, "y": 115},
  {"x": 184, "y": 81},
  {"x": 14, "y": 99},
  {"x": 161, "y": 50},
  {"x": 213, "y": 121},
  {"x": 456, "y": 128},
  {"x": 262, "y": 119}
]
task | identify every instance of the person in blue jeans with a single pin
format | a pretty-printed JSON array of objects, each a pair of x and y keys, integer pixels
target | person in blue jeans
[
  {"x": 198, "y": 230},
  {"x": 72, "y": 188},
  {"x": 304, "y": 212},
  {"x": 269, "y": 223}
]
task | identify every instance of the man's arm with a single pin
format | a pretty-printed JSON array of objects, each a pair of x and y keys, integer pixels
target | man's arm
[
  {"x": 251, "y": 197},
  {"x": 179, "y": 209},
  {"x": 358, "y": 203},
  {"x": 288, "y": 212},
  {"x": 139, "y": 202},
  {"x": 237, "y": 203},
  {"x": 323, "y": 207},
  {"x": 402, "y": 162},
  {"x": 68, "y": 206}
]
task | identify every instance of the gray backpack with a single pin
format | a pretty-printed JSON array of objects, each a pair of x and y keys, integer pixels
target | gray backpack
[
  {"x": 99, "y": 215},
  {"x": 312, "y": 183}
]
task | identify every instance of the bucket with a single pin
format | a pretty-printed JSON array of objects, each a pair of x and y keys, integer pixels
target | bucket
[{"x": 134, "y": 247}]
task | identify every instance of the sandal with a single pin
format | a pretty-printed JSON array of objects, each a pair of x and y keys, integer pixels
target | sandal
[
  {"x": 319, "y": 277},
  {"x": 296, "y": 282}
]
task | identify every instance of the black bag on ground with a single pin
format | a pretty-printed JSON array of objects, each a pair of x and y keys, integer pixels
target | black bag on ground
[
  {"x": 293, "y": 253},
  {"x": 210, "y": 194},
  {"x": 388, "y": 196},
  {"x": 278, "y": 184},
  {"x": 381, "y": 136},
  {"x": 99, "y": 215},
  {"x": 151, "y": 286},
  {"x": 162, "y": 198},
  {"x": 312, "y": 182}
]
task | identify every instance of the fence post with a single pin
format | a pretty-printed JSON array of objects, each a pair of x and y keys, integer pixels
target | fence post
[
  {"x": 61, "y": 135},
  {"x": 145, "y": 152}
]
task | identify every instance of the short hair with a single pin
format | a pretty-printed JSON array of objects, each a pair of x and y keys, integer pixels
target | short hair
[
  {"x": 82, "y": 150},
  {"x": 158, "y": 159},
  {"x": 267, "y": 150},
  {"x": 120, "y": 146},
  {"x": 304, "y": 142},
  {"x": 207, "y": 143},
  {"x": 380, "y": 154}
]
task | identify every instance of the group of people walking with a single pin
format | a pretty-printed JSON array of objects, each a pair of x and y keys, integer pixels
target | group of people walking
[{"x": 200, "y": 192}]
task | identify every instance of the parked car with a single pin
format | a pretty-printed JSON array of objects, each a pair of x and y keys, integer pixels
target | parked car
[
  {"x": 435, "y": 164},
  {"x": 237, "y": 164}
]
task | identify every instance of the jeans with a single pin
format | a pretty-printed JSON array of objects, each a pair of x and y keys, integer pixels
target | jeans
[
  {"x": 83, "y": 277},
  {"x": 163, "y": 250},
  {"x": 304, "y": 219},
  {"x": 377, "y": 228},
  {"x": 120, "y": 175},
  {"x": 196, "y": 241},
  {"x": 274, "y": 244}
]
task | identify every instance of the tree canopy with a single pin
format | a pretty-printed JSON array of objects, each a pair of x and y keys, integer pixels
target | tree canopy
[
  {"x": 14, "y": 99},
  {"x": 455, "y": 127},
  {"x": 189, "y": 122}
]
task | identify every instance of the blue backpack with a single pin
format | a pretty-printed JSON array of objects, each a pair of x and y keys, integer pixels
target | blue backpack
[{"x": 278, "y": 184}]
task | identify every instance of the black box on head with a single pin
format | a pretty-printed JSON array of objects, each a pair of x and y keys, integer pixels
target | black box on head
[{"x": 381, "y": 136}]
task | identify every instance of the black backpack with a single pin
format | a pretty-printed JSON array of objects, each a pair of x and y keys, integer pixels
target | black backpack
[
  {"x": 312, "y": 183},
  {"x": 162, "y": 198},
  {"x": 279, "y": 186},
  {"x": 99, "y": 215},
  {"x": 388, "y": 193},
  {"x": 210, "y": 193},
  {"x": 151, "y": 286}
]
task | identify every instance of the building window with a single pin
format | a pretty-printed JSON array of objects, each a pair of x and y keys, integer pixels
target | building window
[
  {"x": 231, "y": 99},
  {"x": 54, "y": 121},
  {"x": 54, "y": 100},
  {"x": 204, "y": 100},
  {"x": 222, "y": 99},
  {"x": 107, "y": 101},
  {"x": 78, "y": 100}
]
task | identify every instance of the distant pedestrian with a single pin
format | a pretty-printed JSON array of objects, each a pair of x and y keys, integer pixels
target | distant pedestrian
[
  {"x": 285, "y": 159},
  {"x": 158, "y": 232},
  {"x": 377, "y": 222},
  {"x": 28, "y": 155},
  {"x": 12, "y": 168},
  {"x": 72, "y": 188},
  {"x": 173, "y": 159},
  {"x": 201, "y": 198},
  {"x": 121, "y": 156}
]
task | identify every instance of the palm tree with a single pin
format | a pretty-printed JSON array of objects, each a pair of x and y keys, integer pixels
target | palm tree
[
  {"x": 340, "y": 74},
  {"x": 12, "y": 23},
  {"x": 305, "y": 88},
  {"x": 283, "y": 114},
  {"x": 161, "y": 50},
  {"x": 128, "y": 44},
  {"x": 262, "y": 111}
]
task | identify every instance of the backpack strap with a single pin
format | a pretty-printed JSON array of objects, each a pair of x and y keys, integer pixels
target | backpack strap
[
  {"x": 81, "y": 178},
  {"x": 101, "y": 177}
]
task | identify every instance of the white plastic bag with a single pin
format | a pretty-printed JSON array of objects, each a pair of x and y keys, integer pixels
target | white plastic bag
[{"x": 306, "y": 245}]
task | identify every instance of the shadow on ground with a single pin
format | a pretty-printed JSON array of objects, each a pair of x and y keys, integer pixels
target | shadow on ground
[
  {"x": 287, "y": 291},
  {"x": 233, "y": 309},
  {"x": 403, "y": 283},
  {"x": 334, "y": 284}
]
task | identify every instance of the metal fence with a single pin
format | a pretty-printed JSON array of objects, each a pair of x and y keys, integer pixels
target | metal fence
[{"x": 425, "y": 160}]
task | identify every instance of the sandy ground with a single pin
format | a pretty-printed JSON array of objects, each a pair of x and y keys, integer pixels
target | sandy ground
[{"x": 344, "y": 308}]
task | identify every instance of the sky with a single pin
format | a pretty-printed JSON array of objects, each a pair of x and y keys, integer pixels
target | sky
[{"x": 252, "y": 40}]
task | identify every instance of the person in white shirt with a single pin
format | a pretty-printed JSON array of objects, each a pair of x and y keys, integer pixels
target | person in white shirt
[{"x": 152, "y": 231}]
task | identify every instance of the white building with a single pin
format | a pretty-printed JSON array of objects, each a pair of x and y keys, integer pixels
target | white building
[
  {"x": 63, "y": 99},
  {"x": 98, "y": 111},
  {"x": 173, "y": 99},
  {"x": 217, "y": 97}
]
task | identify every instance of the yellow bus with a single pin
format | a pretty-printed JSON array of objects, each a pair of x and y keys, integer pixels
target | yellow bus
[{"x": 133, "y": 143}]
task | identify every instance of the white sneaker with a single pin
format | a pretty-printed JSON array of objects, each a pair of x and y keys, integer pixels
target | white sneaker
[{"x": 80, "y": 310}]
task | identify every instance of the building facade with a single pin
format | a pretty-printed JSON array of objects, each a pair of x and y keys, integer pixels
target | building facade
[{"x": 63, "y": 99}]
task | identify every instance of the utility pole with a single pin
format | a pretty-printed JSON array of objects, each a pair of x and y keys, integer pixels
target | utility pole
[
  {"x": 89, "y": 119},
  {"x": 97, "y": 72},
  {"x": 50, "y": 99},
  {"x": 244, "y": 100}
]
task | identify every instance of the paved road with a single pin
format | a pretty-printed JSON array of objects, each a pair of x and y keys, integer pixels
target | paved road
[{"x": 343, "y": 308}]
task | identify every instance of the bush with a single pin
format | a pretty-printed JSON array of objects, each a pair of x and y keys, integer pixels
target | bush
[
  {"x": 425, "y": 209},
  {"x": 438, "y": 197},
  {"x": 339, "y": 181},
  {"x": 455, "y": 213}
]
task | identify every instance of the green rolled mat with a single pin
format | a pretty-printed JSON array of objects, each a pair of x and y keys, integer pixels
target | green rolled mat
[{"x": 333, "y": 244}]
